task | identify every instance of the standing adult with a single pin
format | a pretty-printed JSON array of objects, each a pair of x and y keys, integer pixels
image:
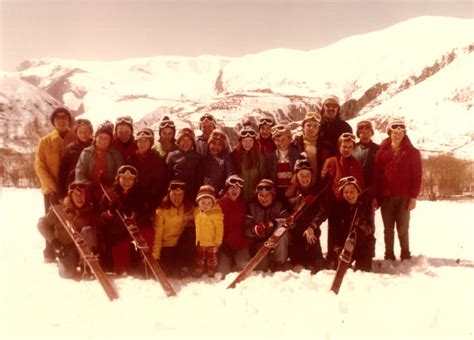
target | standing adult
[
  {"x": 365, "y": 150},
  {"x": 48, "y": 159},
  {"x": 397, "y": 182},
  {"x": 207, "y": 124},
  {"x": 167, "y": 141},
  {"x": 123, "y": 140},
  {"x": 67, "y": 171},
  {"x": 332, "y": 126}
]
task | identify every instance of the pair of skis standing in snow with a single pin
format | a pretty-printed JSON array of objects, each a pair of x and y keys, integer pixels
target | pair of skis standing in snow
[{"x": 358, "y": 226}]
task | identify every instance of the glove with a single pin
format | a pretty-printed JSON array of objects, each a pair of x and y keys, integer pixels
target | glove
[
  {"x": 261, "y": 229},
  {"x": 53, "y": 198},
  {"x": 58, "y": 248}
]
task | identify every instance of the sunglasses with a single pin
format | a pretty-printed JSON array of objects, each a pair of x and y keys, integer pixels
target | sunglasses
[
  {"x": 347, "y": 180},
  {"x": 364, "y": 127},
  {"x": 207, "y": 118},
  {"x": 247, "y": 133},
  {"x": 267, "y": 121},
  {"x": 78, "y": 186},
  {"x": 348, "y": 136},
  {"x": 127, "y": 170},
  {"x": 398, "y": 126},
  {"x": 264, "y": 188},
  {"x": 236, "y": 181},
  {"x": 177, "y": 186},
  {"x": 145, "y": 134},
  {"x": 124, "y": 120},
  {"x": 167, "y": 123}
]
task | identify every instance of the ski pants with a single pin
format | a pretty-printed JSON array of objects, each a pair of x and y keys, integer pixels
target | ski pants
[
  {"x": 395, "y": 211},
  {"x": 206, "y": 257},
  {"x": 68, "y": 263}
]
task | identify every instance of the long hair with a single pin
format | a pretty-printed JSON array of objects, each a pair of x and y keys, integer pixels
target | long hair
[
  {"x": 253, "y": 156},
  {"x": 167, "y": 204}
]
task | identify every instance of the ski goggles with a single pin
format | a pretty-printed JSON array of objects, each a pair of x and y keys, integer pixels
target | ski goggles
[
  {"x": 236, "y": 181},
  {"x": 145, "y": 133},
  {"x": 264, "y": 187},
  {"x": 302, "y": 164},
  {"x": 124, "y": 120},
  {"x": 313, "y": 116},
  {"x": 348, "y": 136},
  {"x": 177, "y": 185},
  {"x": 347, "y": 180},
  {"x": 167, "y": 124},
  {"x": 247, "y": 133},
  {"x": 207, "y": 118},
  {"x": 127, "y": 170},
  {"x": 266, "y": 121},
  {"x": 77, "y": 186},
  {"x": 398, "y": 126}
]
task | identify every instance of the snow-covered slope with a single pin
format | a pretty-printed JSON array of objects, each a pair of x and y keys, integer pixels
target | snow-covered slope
[{"x": 420, "y": 69}]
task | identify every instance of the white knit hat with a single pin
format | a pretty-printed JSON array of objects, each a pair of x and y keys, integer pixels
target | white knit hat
[{"x": 206, "y": 191}]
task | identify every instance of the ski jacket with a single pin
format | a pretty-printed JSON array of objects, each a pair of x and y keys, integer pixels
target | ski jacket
[
  {"x": 338, "y": 167},
  {"x": 51, "y": 227},
  {"x": 329, "y": 133},
  {"x": 48, "y": 159},
  {"x": 266, "y": 146},
  {"x": 152, "y": 176},
  {"x": 217, "y": 169},
  {"x": 234, "y": 218},
  {"x": 86, "y": 162},
  {"x": 186, "y": 166},
  {"x": 161, "y": 150},
  {"x": 67, "y": 169},
  {"x": 126, "y": 149},
  {"x": 257, "y": 213},
  {"x": 365, "y": 155},
  {"x": 209, "y": 226},
  {"x": 169, "y": 225},
  {"x": 252, "y": 175},
  {"x": 397, "y": 173}
]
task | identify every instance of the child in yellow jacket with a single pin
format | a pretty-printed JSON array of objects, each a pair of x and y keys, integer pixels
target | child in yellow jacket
[{"x": 209, "y": 221}]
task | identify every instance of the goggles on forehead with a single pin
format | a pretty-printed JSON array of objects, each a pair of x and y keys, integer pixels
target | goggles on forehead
[
  {"x": 207, "y": 118},
  {"x": 77, "y": 186},
  {"x": 145, "y": 133},
  {"x": 364, "y": 127},
  {"x": 265, "y": 121},
  {"x": 236, "y": 181},
  {"x": 313, "y": 116},
  {"x": 167, "y": 124},
  {"x": 347, "y": 180},
  {"x": 127, "y": 170},
  {"x": 303, "y": 164},
  {"x": 348, "y": 136},
  {"x": 247, "y": 133},
  {"x": 264, "y": 187},
  {"x": 279, "y": 128},
  {"x": 398, "y": 126},
  {"x": 177, "y": 186},
  {"x": 124, "y": 120}
]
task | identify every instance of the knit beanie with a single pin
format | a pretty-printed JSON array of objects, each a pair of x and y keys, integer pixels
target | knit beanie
[
  {"x": 364, "y": 123},
  {"x": 60, "y": 110},
  {"x": 206, "y": 191},
  {"x": 333, "y": 97},
  {"x": 185, "y": 132},
  {"x": 395, "y": 121},
  {"x": 207, "y": 117},
  {"x": 82, "y": 122},
  {"x": 267, "y": 183},
  {"x": 106, "y": 127},
  {"x": 125, "y": 120},
  {"x": 348, "y": 180},
  {"x": 218, "y": 136}
]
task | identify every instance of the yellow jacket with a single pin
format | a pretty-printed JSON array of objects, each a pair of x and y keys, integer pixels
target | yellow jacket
[
  {"x": 169, "y": 225},
  {"x": 48, "y": 159},
  {"x": 209, "y": 226}
]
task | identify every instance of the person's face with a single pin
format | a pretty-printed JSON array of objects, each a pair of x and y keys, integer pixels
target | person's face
[
  {"x": 397, "y": 135},
  {"x": 282, "y": 142},
  {"x": 126, "y": 182},
  {"x": 177, "y": 197},
  {"x": 185, "y": 143},
  {"x": 205, "y": 203},
  {"x": 166, "y": 135},
  {"x": 215, "y": 148},
  {"x": 350, "y": 193},
  {"x": 61, "y": 121},
  {"x": 78, "y": 198},
  {"x": 265, "y": 198},
  {"x": 233, "y": 192},
  {"x": 265, "y": 131},
  {"x": 247, "y": 143},
  {"x": 102, "y": 141},
  {"x": 310, "y": 128},
  {"x": 331, "y": 108},
  {"x": 365, "y": 133},
  {"x": 207, "y": 128},
  {"x": 346, "y": 148},
  {"x": 143, "y": 145},
  {"x": 124, "y": 133},
  {"x": 84, "y": 133},
  {"x": 304, "y": 178}
]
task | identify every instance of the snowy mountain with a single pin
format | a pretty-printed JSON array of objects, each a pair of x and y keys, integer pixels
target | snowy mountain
[{"x": 420, "y": 69}]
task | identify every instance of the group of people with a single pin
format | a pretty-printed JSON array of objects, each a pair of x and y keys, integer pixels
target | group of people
[{"x": 206, "y": 207}]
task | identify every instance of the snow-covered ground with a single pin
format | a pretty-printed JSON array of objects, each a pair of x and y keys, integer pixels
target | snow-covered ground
[{"x": 430, "y": 296}]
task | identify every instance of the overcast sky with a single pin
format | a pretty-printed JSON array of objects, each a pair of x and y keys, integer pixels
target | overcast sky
[{"x": 119, "y": 29}]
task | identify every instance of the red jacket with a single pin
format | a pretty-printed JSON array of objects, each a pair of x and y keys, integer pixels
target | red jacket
[
  {"x": 400, "y": 173},
  {"x": 234, "y": 217},
  {"x": 338, "y": 167}
]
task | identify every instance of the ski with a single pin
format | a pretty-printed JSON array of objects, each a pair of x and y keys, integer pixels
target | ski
[
  {"x": 273, "y": 240},
  {"x": 144, "y": 249},
  {"x": 85, "y": 252},
  {"x": 345, "y": 258}
]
